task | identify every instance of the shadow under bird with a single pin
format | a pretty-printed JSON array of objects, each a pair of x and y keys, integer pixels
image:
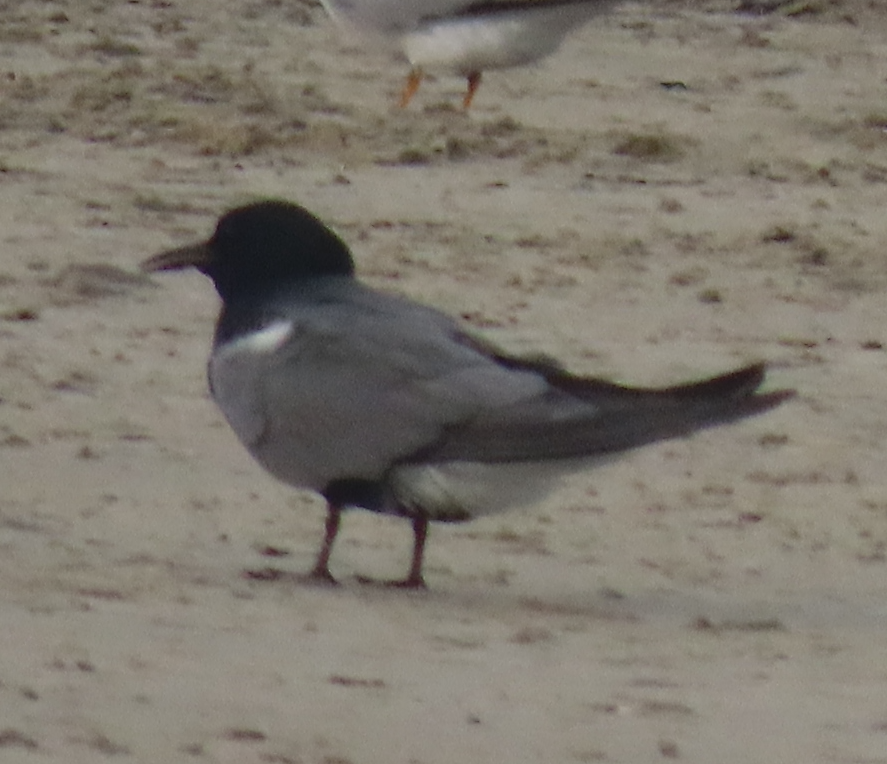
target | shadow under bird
[
  {"x": 380, "y": 403},
  {"x": 467, "y": 37}
]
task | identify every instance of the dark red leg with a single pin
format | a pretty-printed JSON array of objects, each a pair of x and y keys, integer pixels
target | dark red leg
[
  {"x": 321, "y": 572},
  {"x": 414, "y": 579}
]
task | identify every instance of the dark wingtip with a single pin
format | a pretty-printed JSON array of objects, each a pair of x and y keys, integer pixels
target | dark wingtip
[
  {"x": 733, "y": 384},
  {"x": 765, "y": 401},
  {"x": 741, "y": 387}
]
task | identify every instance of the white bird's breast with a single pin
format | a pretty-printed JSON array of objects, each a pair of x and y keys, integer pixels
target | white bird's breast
[
  {"x": 467, "y": 45},
  {"x": 475, "y": 43},
  {"x": 459, "y": 491}
]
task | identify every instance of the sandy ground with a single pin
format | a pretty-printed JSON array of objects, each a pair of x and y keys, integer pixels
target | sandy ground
[{"x": 681, "y": 189}]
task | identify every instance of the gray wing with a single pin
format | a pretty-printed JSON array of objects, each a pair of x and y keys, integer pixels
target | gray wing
[
  {"x": 391, "y": 16},
  {"x": 350, "y": 382},
  {"x": 614, "y": 418},
  {"x": 396, "y": 16}
]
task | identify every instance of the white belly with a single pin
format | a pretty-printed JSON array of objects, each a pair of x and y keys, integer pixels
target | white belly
[
  {"x": 458, "y": 491},
  {"x": 467, "y": 45}
]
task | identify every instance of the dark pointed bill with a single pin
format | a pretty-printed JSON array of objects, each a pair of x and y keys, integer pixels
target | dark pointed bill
[{"x": 189, "y": 256}]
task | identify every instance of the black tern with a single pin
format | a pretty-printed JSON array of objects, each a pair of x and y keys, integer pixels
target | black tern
[{"x": 380, "y": 403}]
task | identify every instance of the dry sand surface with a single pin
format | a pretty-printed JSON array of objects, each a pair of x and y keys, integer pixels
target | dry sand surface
[{"x": 681, "y": 189}]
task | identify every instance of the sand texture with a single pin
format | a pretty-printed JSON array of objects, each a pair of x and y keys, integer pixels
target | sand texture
[{"x": 683, "y": 188}]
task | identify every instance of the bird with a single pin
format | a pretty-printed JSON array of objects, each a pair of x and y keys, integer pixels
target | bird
[
  {"x": 381, "y": 403},
  {"x": 465, "y": 36}
]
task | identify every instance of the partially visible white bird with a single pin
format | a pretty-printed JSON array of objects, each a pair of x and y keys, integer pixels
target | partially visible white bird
[{"x": 466, "y": 36}]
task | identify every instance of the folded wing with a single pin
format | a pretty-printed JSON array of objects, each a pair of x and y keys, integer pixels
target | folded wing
[{"x": 613, "y": 417}]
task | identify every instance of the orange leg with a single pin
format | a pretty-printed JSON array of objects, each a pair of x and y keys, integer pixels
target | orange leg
[
  {"x": 410, "y": 87},
  {"x": 473, "y": 85}
]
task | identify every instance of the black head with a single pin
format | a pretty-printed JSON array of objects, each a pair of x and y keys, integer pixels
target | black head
[{"x": 261, "y": 246}]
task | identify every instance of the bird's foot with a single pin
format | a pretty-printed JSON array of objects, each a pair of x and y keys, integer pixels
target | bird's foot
[
  {"x": 320, "y": 577},
  {"x": 410, "y": 582}
]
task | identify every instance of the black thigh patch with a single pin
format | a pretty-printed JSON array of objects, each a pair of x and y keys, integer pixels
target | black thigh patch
[{"x": 356, "y": 492}]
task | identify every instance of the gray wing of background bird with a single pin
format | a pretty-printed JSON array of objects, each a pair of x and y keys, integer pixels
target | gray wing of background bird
[{"x": 393, "y": 16}]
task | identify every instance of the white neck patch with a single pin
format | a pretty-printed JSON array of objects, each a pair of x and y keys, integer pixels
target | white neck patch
[{"x": 265, "y": 340}]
